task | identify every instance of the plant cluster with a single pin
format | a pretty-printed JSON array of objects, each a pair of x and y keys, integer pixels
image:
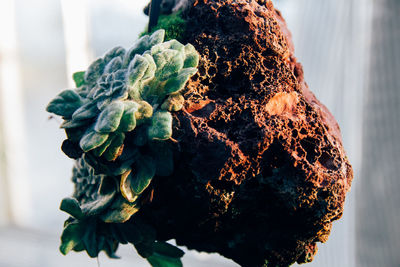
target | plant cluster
[{"x": 118, "y": 122}]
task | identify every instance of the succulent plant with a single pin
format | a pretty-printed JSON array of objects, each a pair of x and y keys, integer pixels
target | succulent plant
[{"x": 118, "y": 121}]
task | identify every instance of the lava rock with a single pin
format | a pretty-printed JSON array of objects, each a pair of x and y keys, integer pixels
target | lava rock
[{"x": 260, "y": 171}]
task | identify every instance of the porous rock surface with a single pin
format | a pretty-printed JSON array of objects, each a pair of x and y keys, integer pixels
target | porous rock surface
[{"x": 260, "y": 170}]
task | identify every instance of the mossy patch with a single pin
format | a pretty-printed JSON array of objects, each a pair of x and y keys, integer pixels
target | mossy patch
[{"x": 173, "y": 24}]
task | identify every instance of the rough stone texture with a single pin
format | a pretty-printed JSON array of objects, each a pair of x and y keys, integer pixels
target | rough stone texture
[{"x": 260, "y": 171}]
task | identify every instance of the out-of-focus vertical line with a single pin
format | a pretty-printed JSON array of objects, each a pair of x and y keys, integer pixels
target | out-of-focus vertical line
[
  {"x": 15, "y": 178},
  {"x": 76, "y": 36}
]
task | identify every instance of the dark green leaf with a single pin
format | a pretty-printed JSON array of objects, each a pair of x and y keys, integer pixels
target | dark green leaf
[
  {"x": 79, "y": 78},
  {"x": 71, "y": 206},
  {"x": 90, "y": 239},
  {"x": 120, "y": 211},
  {"x": 99, "y": 205},
  {"x": 166, "y": 249},
  {"x": 85, "y": 112},
  {"x": 71, "y": 237},
  {"x": 70, "y": 124},
  {"x": 115, "y": 148},
  {"x": 142, "y": 177},
  {"x": 163, "y": 157},
  {"x": 92, "y": 139},
  {"x": 65, "y": 103},
  {"x": 99, "y": 151},
  {"x": 110, "y": 248},
  {"x": 157, "y": 260},
  {"x": 131, "y": 233}
]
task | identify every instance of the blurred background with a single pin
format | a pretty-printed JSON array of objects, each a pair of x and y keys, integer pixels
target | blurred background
[{"x": 350, "y": 50}]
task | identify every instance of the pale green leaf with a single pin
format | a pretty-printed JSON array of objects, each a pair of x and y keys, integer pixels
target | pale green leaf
[
  {"x": 174, "y": 102},
  {"x": 137, "y": 68},
  {"x": 94, "y": 71},
  {"x": 114, "y": 65},
  {"x": 118, "y": 51},
  {"x": 177, "y": 83},
  {"x": 191, "y": 57},
  {"x": 156, "y": 38},
  {"x": 109, "y": 119},
  {"x": 161, "y": 126}
]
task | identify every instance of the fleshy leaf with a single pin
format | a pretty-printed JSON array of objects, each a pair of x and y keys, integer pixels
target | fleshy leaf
[
  {"x": 97, "y": 206},
  {"x": 87, "y": 111},
  {"x": 166, "y": 249},
  {"x": 90, "y": 240},
  {"x": 114, "y": 65},
  {"x": 139, "y": 47},
  {"x": 120, "y": 211},
  {"x": 71, "y": 206},
  {"x": 158, "y": 260},
  {"x": 156, "y": 38},
  {"x": 128, "y": 120},
  {"x": 99, "y": 151},
  {"x": 145, "y": 111},
  {"x": 163, "y": 157},
  {"x": 115, "y": 148},
  {"x": 118, "y": 51},
  {"x": 174, "y": 102},
  {"x": 141, "y": 179},
  {"x": 94, "y": 71},
  {"x": 92, "y": 139},
  {"x": 192, "y": 57},
  {"x": 109, "y": 119},
  {"x": 68, "y": 124},
  {"x": 125, "y": 187},
  {"x": 79, "y": 78},
  {"x": 65, "y": 103},
  {"x": 161, "y": 126},
  {"x": 137, "y": 68},
  {"x": 71, "y": 237},
  {"x": 178, "y": 82}
]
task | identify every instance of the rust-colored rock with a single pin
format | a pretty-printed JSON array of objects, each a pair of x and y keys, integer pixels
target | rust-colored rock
[{"x": 260, "y": 171}]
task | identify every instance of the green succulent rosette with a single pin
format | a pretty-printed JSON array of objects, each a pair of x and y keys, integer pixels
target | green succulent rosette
[{"x": 118, "y": 121}]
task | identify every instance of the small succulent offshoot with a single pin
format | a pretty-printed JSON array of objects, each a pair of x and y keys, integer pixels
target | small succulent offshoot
[{"x": 118, "y": 121}]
